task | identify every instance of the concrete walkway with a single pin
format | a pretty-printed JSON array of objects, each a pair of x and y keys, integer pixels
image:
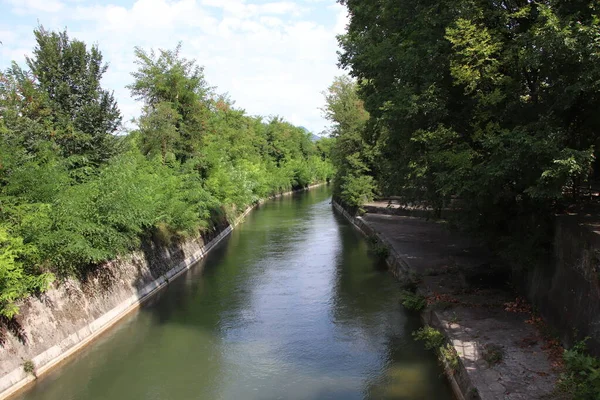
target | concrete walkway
[{"x": 502, "y": 353}]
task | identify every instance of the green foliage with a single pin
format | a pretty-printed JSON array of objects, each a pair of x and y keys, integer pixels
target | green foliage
[
  {"x": 432, "y": 338},
  {"x": 350, "y": 153},
  {"x": 357, "y": 190},
  {"x": 379, "y": 249},
  {"x": 175, "y": 93},
  {"x": 435, "y": 340},
  {"x": 72, "y": 196},
  {"x": 412, "y": 301},
  {"x": 490, "y": 103},
  {"x": 92, "y": 222},
  {"x": 68, "y": 76},
  {"x": 15, "y": 281},
  {"x": 581, "y": 379},
  {"x": 449, "y": 358}
]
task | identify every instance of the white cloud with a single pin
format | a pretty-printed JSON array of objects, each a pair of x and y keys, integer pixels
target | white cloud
[
  {"x": 35, "y": 6},
  {"x": 270, "y": 57}
]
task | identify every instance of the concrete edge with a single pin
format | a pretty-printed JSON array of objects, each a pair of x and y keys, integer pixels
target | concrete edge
[
  {"x": 459, "y": 380},
  {"x": 18, "y": 379}
]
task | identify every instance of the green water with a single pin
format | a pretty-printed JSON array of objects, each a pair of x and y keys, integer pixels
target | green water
[{"x": 290, "y": 306}]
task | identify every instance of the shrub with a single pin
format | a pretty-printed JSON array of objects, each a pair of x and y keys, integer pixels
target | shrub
[
  {"x": 413, "y": 301},
  {"x": 432, "y": 338},
  {"x": 449, "y": 357},
  {"x": 380, "y": 251},
  {"x": 15, "y": 281}
]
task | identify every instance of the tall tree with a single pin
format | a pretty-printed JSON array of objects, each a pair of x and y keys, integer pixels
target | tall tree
[
  {"x": 351, "y": 153},
  {"x": 167, "y": 79},
  {"x": 84, "y": 115},
  {"x": 490, "y": 101}
]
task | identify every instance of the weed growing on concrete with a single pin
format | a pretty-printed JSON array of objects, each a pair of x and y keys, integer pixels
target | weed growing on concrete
[
  {"x": 412, "y": 301},
  {"x": 372, "y": 240},
  {"x": 377, "y": 247},
  {"x": 432, "y": 338},
  {"x": 454, "y": 318},
  {"x": 380, "y": 251},
  {"x": 493, "y": 354},
  {"x": 29, "y": 367},
  {"x": 581, "y": 380},
  {"x": 449, "y": 358},
  {"x": 414, "y": 277},
  {"x": 473, "y": 393}
]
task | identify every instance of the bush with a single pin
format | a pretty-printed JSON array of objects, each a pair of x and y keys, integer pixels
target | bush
[
  {"x": 15, "y": 281},
  {"x": 433, "y": 338},
  {"x": 380, "y": 250},
  {"x": 413, "y": 301},
  {"x": 449, "y": 357}
]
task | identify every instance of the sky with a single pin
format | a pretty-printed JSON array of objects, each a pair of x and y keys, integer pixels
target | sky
[{"x": 271, "y": 57}]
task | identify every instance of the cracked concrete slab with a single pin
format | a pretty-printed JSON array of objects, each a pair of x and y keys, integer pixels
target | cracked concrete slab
[{"x": 501, "y": 355}]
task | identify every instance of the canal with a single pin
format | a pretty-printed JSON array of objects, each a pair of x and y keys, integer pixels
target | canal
[{"x": 290, "y": 306}]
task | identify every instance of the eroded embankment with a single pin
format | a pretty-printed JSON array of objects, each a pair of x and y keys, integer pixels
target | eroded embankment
[
  {"x": 58, "y": 323},
  {"x": 494, "y": 352}
]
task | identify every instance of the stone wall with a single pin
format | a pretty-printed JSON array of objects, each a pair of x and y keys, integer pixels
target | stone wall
[{"x": 566, "y": 288}]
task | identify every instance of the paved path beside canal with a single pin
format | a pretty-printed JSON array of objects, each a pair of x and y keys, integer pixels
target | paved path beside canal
[{"x": 503, "y": 354}]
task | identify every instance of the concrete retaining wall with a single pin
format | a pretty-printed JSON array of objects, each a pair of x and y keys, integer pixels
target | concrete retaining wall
[
  {"x": 394, "y": 261},
  {"x": 566, "y": 288}
]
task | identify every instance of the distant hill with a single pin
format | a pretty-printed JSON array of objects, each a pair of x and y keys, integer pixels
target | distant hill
[{"x": 313, "y": 137}]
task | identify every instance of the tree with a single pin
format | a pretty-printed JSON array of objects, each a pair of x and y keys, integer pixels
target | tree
[
  {"x": 168, "y": 78},
  {"x": 159, "y": 128},
  {"x": 351, "y": 154},
  {"x": 83, "y": 114},
  {"x": 488, "y": 101}
]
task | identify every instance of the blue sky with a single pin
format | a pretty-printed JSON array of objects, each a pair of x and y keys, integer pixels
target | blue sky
[{"x": 271, "y": 57}]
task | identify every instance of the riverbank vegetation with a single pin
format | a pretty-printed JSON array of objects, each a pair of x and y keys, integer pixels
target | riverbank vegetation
[
  {"x": 76, "y": 190},
  {"x": 490, "y": 108}
]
